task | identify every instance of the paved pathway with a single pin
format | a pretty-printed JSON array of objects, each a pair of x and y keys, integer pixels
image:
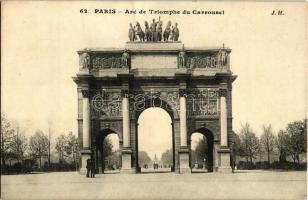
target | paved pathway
[{"x": 241, "y": 185}]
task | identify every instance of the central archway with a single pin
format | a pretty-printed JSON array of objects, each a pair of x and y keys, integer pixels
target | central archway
[{"x": 155, "y": 140}]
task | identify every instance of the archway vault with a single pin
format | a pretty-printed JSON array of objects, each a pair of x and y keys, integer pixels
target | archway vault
[{"x": 156, "y": 102}]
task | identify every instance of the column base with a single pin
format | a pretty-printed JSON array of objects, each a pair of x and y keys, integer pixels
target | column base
[
  {"x": 85, "y": 155},
  {"x": 224, "y": 160},
  {"x": 128, "y": 171},
  {"x": 126, "y": 160},
  {"x": 84, "y": 71},
  {"x": 224, "y": 170},
  {"x": 100, "y": 170},
  {"x": 184, "y": 161}
]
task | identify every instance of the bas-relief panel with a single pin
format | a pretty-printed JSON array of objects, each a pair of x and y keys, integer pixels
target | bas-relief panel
[
  {"x": 203, "y": 102},
  {"x": 200, "y": 102},
  {"x": 106, "y": 104}
]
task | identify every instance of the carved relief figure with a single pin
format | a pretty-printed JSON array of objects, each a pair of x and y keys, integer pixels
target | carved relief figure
[
  {"x": 153, "y": 30},
  {"x": 147, "y": 31},
  {"x": 182, "y": 57},
  {"x": 131, "y": 33},
  {"x": 171, "y": 36},
  {"x": 105, "y": 62},
  {"x": 125, "y": 58},
  {"x": 159, "y": 31},
  {"x": 86, "y": 61},
  {"x": 223, "y": 57},
  {"x": 167, "y": 31},
  {"x": 202, "y": 102},
  {"x": 106, "y": 104},
  {"x": 176, "y": 32},
  {"x": 202, "y": 62}
]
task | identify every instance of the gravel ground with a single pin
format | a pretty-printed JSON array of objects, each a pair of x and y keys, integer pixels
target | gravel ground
[{"x": 240, "y": 185}]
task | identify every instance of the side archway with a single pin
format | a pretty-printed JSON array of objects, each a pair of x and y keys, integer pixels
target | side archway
[
  {"x": 108, "y": 151},
  {"x": 202, "y": 150}
]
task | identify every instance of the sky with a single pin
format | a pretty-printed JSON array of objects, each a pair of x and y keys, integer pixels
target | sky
[
  {"x": 39, "y": 58},
  {"x": 152, "y": 138}
]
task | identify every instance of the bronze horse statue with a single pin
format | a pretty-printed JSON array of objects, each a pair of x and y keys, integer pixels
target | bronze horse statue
[
  {"x": 147, "y": 31},
  {"x": 159, "y": 31},
  {"x": 139, "y": 32},
  {"x": 167, "y": 31}
]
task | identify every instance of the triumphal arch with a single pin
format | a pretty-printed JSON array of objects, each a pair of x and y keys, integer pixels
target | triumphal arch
[{"x": 194, "y": 85}]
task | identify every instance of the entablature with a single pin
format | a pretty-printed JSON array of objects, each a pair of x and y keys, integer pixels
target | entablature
[{"x": 154, "y": 59}]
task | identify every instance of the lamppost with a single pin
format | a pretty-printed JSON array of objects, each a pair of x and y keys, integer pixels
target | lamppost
[{"x": 75, "y": 147}]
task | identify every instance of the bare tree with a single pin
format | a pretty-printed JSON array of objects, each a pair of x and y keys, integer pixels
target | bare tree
[
  {"x": 201, "y": 151},
  {"x": 166, "y": 157},
  {"x": 107, "y": 147},
  {"x": 297, "y": 139},
  {"x": 267, "y": 141},
  {"x": 7, "y": 137},
  {"x": 61, "y": 147},
  {"x": 249, "y": 142},
  {"x": 72, "y": 147},
  {"x": 67, "y": 146},
  {"x": 19, "y": 145},
  {"x": 143, "y": 158},
  {"x": 236, "y": 145},
  {"x": 39, "y": 145},
  {"x": 281, "y": 142}
]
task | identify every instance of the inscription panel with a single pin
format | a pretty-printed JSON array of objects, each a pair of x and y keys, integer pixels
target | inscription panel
[{"x": 153, "y": 61}]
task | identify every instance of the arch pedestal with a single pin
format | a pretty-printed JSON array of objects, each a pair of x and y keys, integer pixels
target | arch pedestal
[
  {"x": 224, "y": 160},
  {"x": 184, "y": 160},
  {"x": 85, "y": 155},
  {"x": 127, "y": 161}
]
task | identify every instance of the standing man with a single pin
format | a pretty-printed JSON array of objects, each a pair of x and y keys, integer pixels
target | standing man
[
  {"x": 131, "y": 33},
  {"x": 92, "y": 167},
  {"x": 88, "y": 167},
  {"x": 153, "y": 30},
  {"x": 176, "y": 32}
]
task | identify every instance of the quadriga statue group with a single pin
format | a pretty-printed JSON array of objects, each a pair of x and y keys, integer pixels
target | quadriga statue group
[{"x": 153, "y": 32}]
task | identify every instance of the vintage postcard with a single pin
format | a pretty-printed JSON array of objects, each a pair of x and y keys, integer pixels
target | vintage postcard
[{"x": 153, "y": 100}]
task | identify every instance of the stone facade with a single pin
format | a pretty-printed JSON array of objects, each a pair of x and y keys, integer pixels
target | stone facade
[{"x": 193, "y": 85}]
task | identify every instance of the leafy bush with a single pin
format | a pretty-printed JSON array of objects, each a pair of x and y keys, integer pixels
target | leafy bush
[
  {"x": 274, "y": 165},
  {"x": 246, "y": 165}
]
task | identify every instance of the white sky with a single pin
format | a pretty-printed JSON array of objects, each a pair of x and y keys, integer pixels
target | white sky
[
  {"x": 114, "y": 138},
  {"x": 154, "y": 132},
  {"x": 40, "y": 40},
  {"x": 195, "y": 138}
]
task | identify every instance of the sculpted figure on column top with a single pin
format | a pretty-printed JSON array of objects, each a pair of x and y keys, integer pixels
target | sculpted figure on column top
[{"x": 86, "y": 61}]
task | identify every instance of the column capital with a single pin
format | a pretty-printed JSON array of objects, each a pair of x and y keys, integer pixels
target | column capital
[
  {"x": 86, "y": 93},
  {"x": 182, "y": 92},
  {"x": 223, "y": 92}
]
